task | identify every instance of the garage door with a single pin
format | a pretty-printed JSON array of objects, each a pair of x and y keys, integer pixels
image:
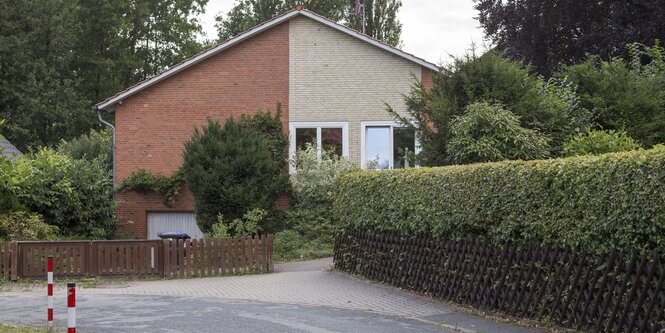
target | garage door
[{"x": 170, "y": 221}]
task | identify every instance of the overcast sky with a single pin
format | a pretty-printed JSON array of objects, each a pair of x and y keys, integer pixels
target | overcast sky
[{"x": 432, "y": 29}]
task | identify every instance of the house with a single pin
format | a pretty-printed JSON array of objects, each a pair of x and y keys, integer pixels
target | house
[
  {"x": 332, "y": 82},
  {"x": 8, "y": 150}
]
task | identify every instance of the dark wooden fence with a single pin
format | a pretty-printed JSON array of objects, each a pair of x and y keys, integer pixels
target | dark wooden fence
[
  {"x": 138, "y": 258},
  {"x": 599, "y": 293}
]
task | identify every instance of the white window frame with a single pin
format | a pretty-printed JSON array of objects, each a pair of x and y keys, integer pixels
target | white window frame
[
  {"x": 389, "y": 123},
  {"x": 318, "y": 125}
]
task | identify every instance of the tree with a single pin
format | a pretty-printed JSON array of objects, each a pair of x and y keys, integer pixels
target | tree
[
  {"x": 547, "y": 33},
  {"x": 625, "y": 95},
  {"x": 231, "y": 170},
  {"x": 96, "y": 145},
  {"x": 381, "y": 16},
  {"x": 39, "y": 94},
  {"x": 490, "y": 133},
  {"x": 380, "y": 20},
  {"x": 550, "y": 107},
  {"x": 54, "y": 67}
]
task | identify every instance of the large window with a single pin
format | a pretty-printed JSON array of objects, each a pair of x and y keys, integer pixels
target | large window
[
  {"x": 387, "y": 145},
  {"x": 328, "y": 136}
]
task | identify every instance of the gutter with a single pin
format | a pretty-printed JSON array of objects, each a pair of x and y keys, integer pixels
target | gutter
[{"x": 104, "y": 122}]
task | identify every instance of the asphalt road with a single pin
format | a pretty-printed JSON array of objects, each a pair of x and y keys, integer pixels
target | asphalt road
[{"x": 144, "y": 313}]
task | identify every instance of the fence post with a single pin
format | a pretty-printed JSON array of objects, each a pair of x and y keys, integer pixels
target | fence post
[
  {"x": 14, "y": 260},
  {"x": 91, "y": 269},
  {"x": 271, "y": 268}
]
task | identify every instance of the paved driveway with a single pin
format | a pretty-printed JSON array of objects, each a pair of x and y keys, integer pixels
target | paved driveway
[{"x": 299, "y": 297}]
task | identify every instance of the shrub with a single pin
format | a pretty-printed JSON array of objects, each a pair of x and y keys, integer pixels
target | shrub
[
  {"x": 74, "y": 195},
  {"x": 232, "y": 170},
  {"x": 594, "y": 201},
  {"x": 94, "y": 145},
  {"x": 311, "y": 223},
  {"x": 488, "y": 133},
  {"x": 599, "y": 142},
  {"x": 313, "y": 182},
  {"x": 548, "y": 106},
  {"x": 25, "y": 226},
  {"x": 625, "y": 95},
  {"x": 248, "y": 225}
]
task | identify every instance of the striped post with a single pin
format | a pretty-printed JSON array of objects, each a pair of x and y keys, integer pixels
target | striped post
[
  {"x": 71, "y": 307},
  {"x": 49, "y": 278}
]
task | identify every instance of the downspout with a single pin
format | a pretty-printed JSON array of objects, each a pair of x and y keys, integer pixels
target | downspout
[{"x": 101, "y": 120}]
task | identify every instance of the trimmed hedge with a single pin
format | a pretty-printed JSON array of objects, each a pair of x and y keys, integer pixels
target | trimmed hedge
[{"x": 596, "y": 202}]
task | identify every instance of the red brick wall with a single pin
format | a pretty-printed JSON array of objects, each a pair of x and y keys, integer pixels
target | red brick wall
[
  {"x": 153, "y": 124},
  {"x": 426, "y": 78}
]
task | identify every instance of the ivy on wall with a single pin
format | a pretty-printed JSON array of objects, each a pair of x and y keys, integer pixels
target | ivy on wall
[{"x": 143, "y": 182}]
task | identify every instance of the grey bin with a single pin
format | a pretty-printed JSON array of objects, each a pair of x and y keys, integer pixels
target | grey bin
[{"x": 175, "y": 235}]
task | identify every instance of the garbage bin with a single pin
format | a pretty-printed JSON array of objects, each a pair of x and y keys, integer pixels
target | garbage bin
[{"x": 176, "y": 235}]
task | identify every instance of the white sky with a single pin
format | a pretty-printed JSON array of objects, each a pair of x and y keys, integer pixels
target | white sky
[{"x": 431, "y": 29}]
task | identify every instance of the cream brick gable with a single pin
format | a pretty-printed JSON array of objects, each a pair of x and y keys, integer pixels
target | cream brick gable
[{"x": 334, "y": 77}]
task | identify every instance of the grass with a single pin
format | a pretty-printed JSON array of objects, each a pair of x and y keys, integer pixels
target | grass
[{"x": 11, "y": 328}]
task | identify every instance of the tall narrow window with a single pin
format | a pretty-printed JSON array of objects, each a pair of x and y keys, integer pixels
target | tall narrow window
[{"x": 387, "y": 145}]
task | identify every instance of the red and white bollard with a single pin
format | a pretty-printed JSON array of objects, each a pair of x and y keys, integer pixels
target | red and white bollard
[
  {"x": 71, "y": 307},
  {"x": 49, "y": 277}
]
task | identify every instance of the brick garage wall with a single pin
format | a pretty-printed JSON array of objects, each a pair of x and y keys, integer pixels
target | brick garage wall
[
  {"x": 338, "y": 78},
  {"x": 153, "y": 124}
]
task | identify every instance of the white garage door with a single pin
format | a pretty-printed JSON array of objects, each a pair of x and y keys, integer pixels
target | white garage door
[{"x": 170, "y": 222}]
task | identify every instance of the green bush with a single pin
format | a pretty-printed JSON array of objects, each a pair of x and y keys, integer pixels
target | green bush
[
  {"x": 490, "y": 133},
  {"x": 599, "y": 142},
  {"x": 625, "y": 95},
  {"x": 312, "y": 223},
  {"x": 248, "y": 225},
  {"x": 552, "y": 107},
  {"x": 25, "y": 226},
  {"x": 74, "y": 195},
  {"x": 94, "y": 145},
  {"x": 595, "y": 201},
  {"x": 313, "y": 182},
  {"x": 231, "y": 170}
]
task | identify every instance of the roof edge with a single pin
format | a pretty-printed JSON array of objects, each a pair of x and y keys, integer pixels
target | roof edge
[{"x": 111, "y": 101}]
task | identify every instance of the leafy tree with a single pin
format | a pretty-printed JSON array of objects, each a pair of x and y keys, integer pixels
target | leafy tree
[
  {"x": 246, "y": 14},
  {"x": 53, "y": 67},
  {"x": 381, "y": 16},
  {"x": 547, "y": 33},
  {"x": 231, "y": 170},
  {"x": 380, "y": 20},
  {"x": 39, "y": 95},
  {"x": 599, "y": 142},
  {"x": 550, "y": 107},
  {"x": 490, "y": 133},
  {"x": 625, "y": 95}
]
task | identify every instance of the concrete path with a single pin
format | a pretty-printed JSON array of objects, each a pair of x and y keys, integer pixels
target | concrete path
[{"x": 308, "y": 287}]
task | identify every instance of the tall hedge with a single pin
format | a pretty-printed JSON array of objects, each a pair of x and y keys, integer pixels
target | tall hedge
[{"x": 595, "y": 202}]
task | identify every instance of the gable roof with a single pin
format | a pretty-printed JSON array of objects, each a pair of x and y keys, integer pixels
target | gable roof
[
  {"x": 7, "y": 149},
  {"x": 109, "y": 102}
]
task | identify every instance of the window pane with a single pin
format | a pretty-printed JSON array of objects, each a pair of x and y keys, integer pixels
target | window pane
[
  {"x": 305, "y": 136},
  {"x": 404, "y": 147},
  {"x": 331, "y": 139},
  {"x": 377, "y": 151}
]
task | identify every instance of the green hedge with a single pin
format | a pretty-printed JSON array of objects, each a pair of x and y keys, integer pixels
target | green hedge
[{"x": 596, "y": 202}]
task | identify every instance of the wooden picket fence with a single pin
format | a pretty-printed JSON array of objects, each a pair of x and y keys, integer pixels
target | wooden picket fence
[
  {"x": 138, "y": 258},
  {"x": 611, "y": 292}
]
